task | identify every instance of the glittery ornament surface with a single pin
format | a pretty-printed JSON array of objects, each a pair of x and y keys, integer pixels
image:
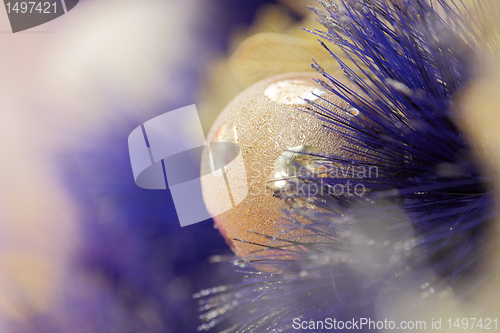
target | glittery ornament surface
[{"x": 267, "y": 128}]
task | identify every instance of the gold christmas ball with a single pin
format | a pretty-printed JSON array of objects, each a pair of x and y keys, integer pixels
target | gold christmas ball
[{"x": 267, "y": 123}]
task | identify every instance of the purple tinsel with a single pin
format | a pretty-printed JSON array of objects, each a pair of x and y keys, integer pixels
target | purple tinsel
[{"x": 422, "y": 221}]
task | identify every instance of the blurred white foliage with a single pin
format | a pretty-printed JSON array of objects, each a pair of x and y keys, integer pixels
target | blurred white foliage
[{"x": 101, "y": 63}]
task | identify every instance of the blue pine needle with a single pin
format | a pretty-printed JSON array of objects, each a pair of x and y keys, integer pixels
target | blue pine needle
[{"x": 423, "y": 219}]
